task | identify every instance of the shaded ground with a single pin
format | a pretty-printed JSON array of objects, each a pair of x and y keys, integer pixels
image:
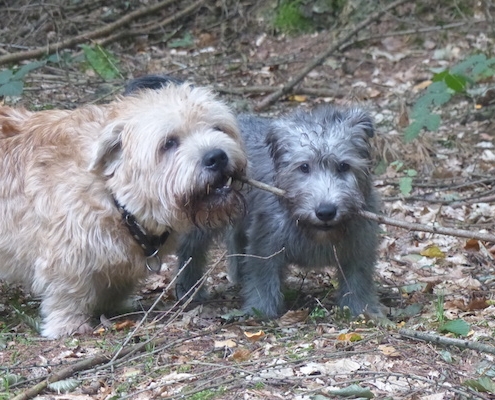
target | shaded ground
[{"x": 195, "y": 353}]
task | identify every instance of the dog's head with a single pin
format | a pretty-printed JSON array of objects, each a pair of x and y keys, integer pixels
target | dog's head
[
  {"x": 171, "y": 156},
  {"x": 322, "y": 160}
]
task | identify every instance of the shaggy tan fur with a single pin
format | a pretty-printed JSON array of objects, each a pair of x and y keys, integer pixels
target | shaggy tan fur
[{"x": 166, "y": 156}]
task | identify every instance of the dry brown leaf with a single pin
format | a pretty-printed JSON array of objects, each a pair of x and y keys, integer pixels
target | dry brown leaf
[
  {"x": 389, "y": 351},
  {"x": 472, "y": 245},
  {"x": 477, "y": 304},
  {"x": 254, "y": 337},
  {"x": 293, "y": 317},
  {"x": 422, "y": 85},
  {"x": 124, "y": 325},
  {"x": 241, "y": 355},
  {"x": 220, "y": 344}
]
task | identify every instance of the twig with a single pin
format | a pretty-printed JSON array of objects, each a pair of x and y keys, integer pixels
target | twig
[
  {"x": 85, "y": 37},
  {"x": 445, "y": 341},
  {"x": 486, "y": 237},
  {"x": 264, "y": 186},
  {"x": 161, "y": 24},
  {"x": 272, "y": 98}
]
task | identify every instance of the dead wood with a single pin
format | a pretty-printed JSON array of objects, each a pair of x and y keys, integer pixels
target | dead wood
[
  {"x": 88, "y": 36},
  {"x": 446, "y": 341}
]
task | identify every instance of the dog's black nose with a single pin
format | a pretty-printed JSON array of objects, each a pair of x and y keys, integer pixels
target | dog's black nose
[
  {"x": 215, "y": 160},
  {"x": 326, "y": 211}
]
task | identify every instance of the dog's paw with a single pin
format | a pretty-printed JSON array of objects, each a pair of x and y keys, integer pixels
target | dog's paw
[{"x": 55, "y": 330}]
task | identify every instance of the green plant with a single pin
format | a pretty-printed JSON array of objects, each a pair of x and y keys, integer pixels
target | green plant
[
  {"x": 318, "y": 313},
  {"x": 203, "y": 395},
  {"x": 12, "y": 80},
  {"x": 289, "y": 19},
  {"x": 103, "y": 62},
  {"x": 446, "y": 84},
  {"x": 405, "y": 181}
]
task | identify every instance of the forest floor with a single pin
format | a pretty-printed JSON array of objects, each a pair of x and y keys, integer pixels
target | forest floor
[{"x": 427, "y": 281}]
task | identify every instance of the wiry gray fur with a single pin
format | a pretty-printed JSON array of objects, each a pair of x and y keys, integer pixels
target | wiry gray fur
[{"x": 321, "y": 158}]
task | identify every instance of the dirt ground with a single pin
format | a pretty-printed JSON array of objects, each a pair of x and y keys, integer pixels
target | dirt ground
[{"x": 313, "y": 352}]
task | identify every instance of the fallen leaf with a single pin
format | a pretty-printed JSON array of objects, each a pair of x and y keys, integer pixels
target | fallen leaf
[
  {"x": 124, "y": 325},
  {"x": 299, "y": 98},
  {"x": 254, "y": 337},
  {"x": 389, "y": 351},
  {"x": 422, "y": 85},
  {"x": 293, "y": 317},
  {"x": 350, "y": 337},
  {"x": 241, "y": 355},
  {"x": 432, "y": 252},
  {"x": 472, "y": 245},
  {"x": 220, "y": 344},
  {"x": 477, "y": 304}
]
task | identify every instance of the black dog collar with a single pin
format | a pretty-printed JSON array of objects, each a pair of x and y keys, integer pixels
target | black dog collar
[{"x": 149, "y": 243}]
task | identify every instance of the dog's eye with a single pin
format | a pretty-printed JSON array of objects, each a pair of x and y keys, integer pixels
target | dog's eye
[
  {"x": 343, "y": 167},
  {"x": 170, "y": 144},
  {"x": 304, "y": 168}
]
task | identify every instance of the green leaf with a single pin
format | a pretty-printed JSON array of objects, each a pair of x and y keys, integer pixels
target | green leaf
[
  {"x": 412, "y": 131},
  {"x": 446, "y": 355},
  {"x": 457, "y": 83},
  {"x": 102, "y": 61},
  {"x": 483, "y": 384},
  {"x": 432, "y": 122},
  {"x": 353, "y": 390},
  {"x": 457, "y": 326},
  {"x": 25, "y": 69},
  {"x": 65, "y": 386},
  {"x": 12, "y": 88},
  {"x": 5, "y": 76},
  {"x": 185, "y": 42},
  {"x": 411, "y": 172},
  {"x": 440, "y": 76},
  {"x": 405, "y": 185}
]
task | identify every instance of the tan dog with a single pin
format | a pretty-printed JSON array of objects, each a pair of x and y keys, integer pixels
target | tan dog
[{"x": 88, "y": 196}]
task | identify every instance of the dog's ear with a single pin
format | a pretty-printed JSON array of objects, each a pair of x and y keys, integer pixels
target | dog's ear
[
  {"x": 273, "y": 143},
  {"x": 360, "y": 120},
  {"x": 107, "y": 153}
]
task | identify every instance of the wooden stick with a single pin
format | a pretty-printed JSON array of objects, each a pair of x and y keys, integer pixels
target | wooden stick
[{"x": 485, "y": 237}]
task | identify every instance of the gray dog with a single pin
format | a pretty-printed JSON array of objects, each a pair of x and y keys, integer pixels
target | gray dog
[{"x": 321, "y": 158}]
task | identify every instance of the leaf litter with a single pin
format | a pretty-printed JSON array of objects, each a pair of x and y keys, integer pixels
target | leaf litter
[{"x": 305, "y": 353}]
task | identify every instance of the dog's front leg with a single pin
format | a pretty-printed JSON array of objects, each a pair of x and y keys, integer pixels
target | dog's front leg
[{"x": 355, "y": 260}]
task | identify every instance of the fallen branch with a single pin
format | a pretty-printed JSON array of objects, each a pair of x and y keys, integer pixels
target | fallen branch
[
  {"x": 272, "y": 98},
  {"x": 85, "y": 37},
  {"x": 486, "y": 237},
  {"x": 446, "y": 341},
  {"x": 168, "y": 21}
]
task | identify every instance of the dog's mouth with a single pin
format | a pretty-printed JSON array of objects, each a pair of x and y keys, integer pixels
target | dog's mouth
[{"x": 222, "y": 186}]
